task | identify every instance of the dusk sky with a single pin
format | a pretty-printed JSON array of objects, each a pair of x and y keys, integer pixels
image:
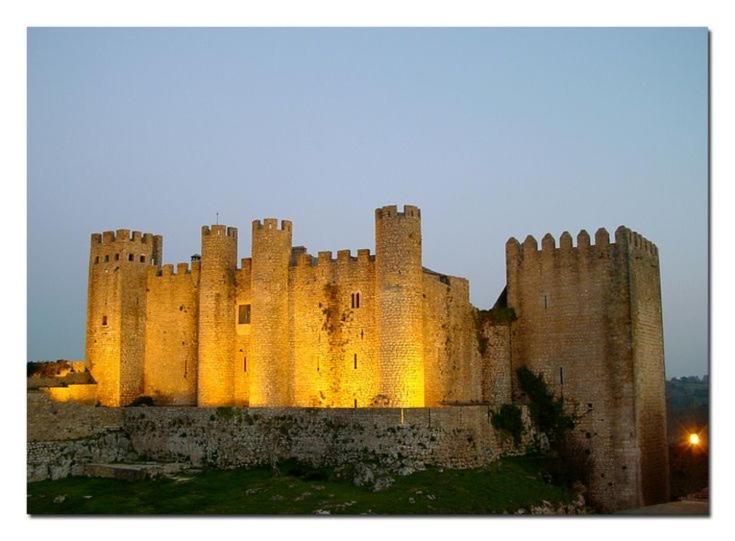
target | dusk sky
[{"x": 493, "y": 133}]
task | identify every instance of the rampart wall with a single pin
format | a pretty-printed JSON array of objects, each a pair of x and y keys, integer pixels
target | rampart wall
[{"x": 64, "y": 437}]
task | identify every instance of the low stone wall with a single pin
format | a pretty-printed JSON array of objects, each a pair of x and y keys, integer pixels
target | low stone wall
[{"x": 396, "y": 439}]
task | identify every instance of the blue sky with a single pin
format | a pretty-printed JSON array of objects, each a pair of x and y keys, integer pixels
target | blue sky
[{"x": 492, "y": 132}]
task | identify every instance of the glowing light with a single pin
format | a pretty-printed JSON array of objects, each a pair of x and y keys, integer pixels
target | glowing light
[{"x": 694, "y": 439}]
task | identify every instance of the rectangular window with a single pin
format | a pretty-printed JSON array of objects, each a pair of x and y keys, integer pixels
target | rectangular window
[
  {"x": 244, "y": 364},
  {"x": 107, "y": 258},
  {"x": 546, "y": 301},
  {"x": 243, "y": 314},
  {"x": 355, "y": 300},
  {"x": 561, "y": 375},
  {"x": 355, "y": 402},
  {"x": 104, "y": 321},
  {"x": 354, "y": 361},
  {"x": 130, "y": 257},
  {"x": 97, "y": 259},
  {"x": 117, "y": 257},
  {"x": 142, "y": 259}
]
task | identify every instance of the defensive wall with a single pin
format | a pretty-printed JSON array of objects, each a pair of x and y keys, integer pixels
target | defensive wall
[{"x": 62, "y": 438}]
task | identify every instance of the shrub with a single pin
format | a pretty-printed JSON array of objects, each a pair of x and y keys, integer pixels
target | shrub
[
  {"x": 142, "y": 400},
  {"x": 568, "y": 460},
  {"x": 508, "y": 419}
]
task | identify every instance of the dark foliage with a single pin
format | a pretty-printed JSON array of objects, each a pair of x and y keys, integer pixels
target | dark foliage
[{"x": 508, "y": 419}]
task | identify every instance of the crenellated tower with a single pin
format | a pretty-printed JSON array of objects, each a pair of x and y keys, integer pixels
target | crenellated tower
[
  {"x": 116, "y": 311},
  {"x": 215, "y": 376},
  {"x": 399, "y": 294},
  {"x": 270, "y": 378},
  {"x": 589, "y": 319}
]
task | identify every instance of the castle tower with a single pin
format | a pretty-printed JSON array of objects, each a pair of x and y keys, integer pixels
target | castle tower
[
  {"x": 589, "y": 319},
  {"x": 399, "y": 293},
  {"x": 270, "y": 380},
  {"x": 116, "y": 311},
  {"x": 215, "y": 377}
]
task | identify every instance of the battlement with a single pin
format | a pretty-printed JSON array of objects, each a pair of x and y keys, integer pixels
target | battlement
[
  {"x": 123, "y": 235},
  {"x": 391, "y": 211},
  {"x": 624, "y": 237},
  {"x": 246, "y": 264},
  {"x": 168, "y": 270},
  {"x": 219, "y": 231},
  {"x": 272, "y": 224}
]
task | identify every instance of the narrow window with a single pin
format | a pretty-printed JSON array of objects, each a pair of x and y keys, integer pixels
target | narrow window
[
  {"x": 107, "y": 258},
  {"x": 243, "y": 314},
  {"x": 546, "y": 301},
  {"x": 352, "y": 300},
  {"x": 104, "y": 321},
  {"x": 117, "y": 257},
  {"x": 357, "y": 300},
  {"x": 354, "y": 361},
  {"x": 130, "y": 257},
  {"x": 97, "y": 260},
  {"x": 142, "y": 259},
  {"x": 244, "y": 364},
  {"x": 561, "y": 375},
  {"x": 355, "y": 402},
  {"x": 362, "y": 334}
]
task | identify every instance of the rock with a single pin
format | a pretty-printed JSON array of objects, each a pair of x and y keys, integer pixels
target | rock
[
  {"x": 277, "y": 498},
  {"x": 322, "y": 512},
  {"x": 60, "y": 499},
  {"x": 411, "y": 500},
  {"x": 364, "y": 476},
  {"x": 383, "y": 483}
]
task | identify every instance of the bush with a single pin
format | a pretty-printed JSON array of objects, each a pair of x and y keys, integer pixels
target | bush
[
  {"x": 508, "y": 419},
  {"x": 547, "y": 411},
  {"x": 568, "y": 459}
]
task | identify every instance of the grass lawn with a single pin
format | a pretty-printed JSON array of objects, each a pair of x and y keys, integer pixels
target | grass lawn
[{"x": 505, "y": 485}]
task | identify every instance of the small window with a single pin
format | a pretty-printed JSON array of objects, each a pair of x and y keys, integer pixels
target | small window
[
  {"x": 130, "y": 257},
  {"x": 355, "y": 300},
  {"x": 561, "y": 375},
  {"x": 117, "y": 257},
  {"x": 142, "y": 259},
  {"x": 546, "y": 301},
  {"x": 355, "y": 402},
  {"x": 107, "y": 258},
  {"x": 243, "y": 314},
  {"x": 244, "y": 364},
  {"x": 97, "y": 260},
  {"x": 104, "y": 321},
  {"x": 354, "y": 361}
]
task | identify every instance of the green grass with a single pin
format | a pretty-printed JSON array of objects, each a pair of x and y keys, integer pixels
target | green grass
[{"x": 505, "y": 485}]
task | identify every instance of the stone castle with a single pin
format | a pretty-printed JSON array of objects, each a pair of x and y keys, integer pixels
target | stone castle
[{"x": 287, "y": 329}]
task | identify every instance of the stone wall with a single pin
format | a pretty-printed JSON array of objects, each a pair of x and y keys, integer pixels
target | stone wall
[
  {"x": 171, "y": 337},
  {"x": 64, "y": 437}
]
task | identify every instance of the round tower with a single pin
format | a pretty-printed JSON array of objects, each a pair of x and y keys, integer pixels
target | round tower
[
  {"x": 116, "y": 312},
  {"x": 399, "y": 292},
  {"x": 215, "y": 376},
  {"x": 270, "y": 381}
]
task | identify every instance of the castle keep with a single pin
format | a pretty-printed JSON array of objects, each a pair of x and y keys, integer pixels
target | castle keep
[{"x": 284, "y": 328}]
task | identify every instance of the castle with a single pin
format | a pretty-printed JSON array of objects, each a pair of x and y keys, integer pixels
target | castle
[{"x": 287, "y": 329}]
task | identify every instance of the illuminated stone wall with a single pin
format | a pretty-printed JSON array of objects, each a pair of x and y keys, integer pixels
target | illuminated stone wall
[
  {"x": 453, "y": 367},
  {"x": 589, "y": 320},
  {"x": 171, "y": 338}
]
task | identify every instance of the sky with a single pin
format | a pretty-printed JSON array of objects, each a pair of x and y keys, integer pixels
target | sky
[{"x": 493, "y": 133}]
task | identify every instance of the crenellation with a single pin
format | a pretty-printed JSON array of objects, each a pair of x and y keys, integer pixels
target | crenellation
[
  {"x": 602, "y": 238},
  {"x": 565, "y": 241},
  {"x": 548, "y": 243}
]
